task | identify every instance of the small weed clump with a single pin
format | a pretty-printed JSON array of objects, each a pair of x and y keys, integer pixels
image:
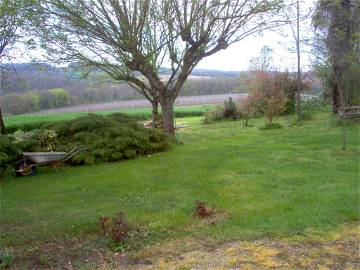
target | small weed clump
[
  {"x": 202, "y": 211},
  {"x": 6, "y": 259},
  {"x": 116, "y": 230}
]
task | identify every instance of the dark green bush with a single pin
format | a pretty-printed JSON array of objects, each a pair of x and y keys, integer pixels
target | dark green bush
[
  {"x": 215, "y": 114},
  {"x": 183, "y": 114},
  {"x": 289, "y": 106},
  {"x": 307, "y": 115},
  {"x": 313, "y": 105},
  {"x": 11, "y": 151},
  {"x": 25, "y": 127},
  {"x": 110, "y": 138},
  {"x": 8, "y": 153},
  {"x": 228, "y": 110}
]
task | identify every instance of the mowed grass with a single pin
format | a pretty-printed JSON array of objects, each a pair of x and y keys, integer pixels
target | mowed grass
[
  {"x": 269, "y": 183},
  {"x": 20, "y": 120}
]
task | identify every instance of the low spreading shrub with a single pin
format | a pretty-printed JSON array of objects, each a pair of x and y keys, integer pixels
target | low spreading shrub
[
  {"x": 8, "y": 153},
  {"x": 215, "y": 114},
  {"x": 11, "y": 150},
  {"x": 178, "y": 112},
  {"x": 110, "y": 138},
  {"x": 313, "y": 105},
  {"x": 307, "y": 115},
  {"x": 25, "y": 126}
]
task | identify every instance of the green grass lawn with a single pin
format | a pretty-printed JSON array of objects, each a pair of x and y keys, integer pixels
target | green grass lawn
[
  {"x": 20, "y": 120},
  {"x": 270, "y": 183}
]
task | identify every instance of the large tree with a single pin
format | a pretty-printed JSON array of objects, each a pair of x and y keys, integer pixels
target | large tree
[
  {"x": 132, "y": 40},
  {"x": 14, "y": 17},
  {"x": 338, "y": 42},
  {"x": 339, "y": 22}
]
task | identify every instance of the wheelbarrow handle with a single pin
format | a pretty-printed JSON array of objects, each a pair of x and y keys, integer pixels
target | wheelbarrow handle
[{"x": 75, "y": 151}]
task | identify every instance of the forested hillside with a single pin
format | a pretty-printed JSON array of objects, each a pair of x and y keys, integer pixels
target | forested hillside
[{"x": 34, "y": 87}]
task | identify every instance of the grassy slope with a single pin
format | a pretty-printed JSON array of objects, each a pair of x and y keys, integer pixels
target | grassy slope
[
  {"x": 31, "y": 118},
  {"x": 279, "y": 182}
]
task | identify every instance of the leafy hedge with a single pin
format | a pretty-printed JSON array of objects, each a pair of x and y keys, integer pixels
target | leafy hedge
[
  {"x": 25, "y": 126},
  {"x": 11, "y": 151},
  {"x": 110, "y": 138},
  {"x": 179, "y": 113}
]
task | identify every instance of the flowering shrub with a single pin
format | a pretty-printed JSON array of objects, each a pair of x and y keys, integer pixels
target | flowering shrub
[{"x": 47, "y": 140}]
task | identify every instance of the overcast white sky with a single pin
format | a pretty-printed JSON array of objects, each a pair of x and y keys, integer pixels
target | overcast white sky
[{"x": 237, "y": 56}]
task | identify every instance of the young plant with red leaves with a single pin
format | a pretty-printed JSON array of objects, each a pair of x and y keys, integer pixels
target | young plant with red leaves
[{"x": 202, "y": 211}]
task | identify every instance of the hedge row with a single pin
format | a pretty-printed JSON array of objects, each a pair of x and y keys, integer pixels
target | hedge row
[
  {"x": 141, "y": 116},
  {"x": 109, "y": 138}
]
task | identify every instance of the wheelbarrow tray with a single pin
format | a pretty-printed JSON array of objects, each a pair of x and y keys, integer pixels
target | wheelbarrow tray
[
  {"x": 45, "y": 157},
  {"x": 27, "y": 166}
]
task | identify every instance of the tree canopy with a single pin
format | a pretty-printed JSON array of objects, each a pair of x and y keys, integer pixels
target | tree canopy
[
  {"x": 132, "y": 39},
  {"x": 338, "y": 44},
  {"x": 14, "y": 17}
]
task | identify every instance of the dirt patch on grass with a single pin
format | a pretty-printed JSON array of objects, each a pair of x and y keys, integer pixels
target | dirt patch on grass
[
  {"x": 332, "y": 250},
  {"x": 338, "y": 250}
]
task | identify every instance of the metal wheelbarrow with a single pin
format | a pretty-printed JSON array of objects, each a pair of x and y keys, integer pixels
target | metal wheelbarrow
[{"x": 27, "y": 166}]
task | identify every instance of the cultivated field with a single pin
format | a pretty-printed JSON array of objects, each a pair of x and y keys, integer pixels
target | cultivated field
[{"x": 128, "y": 104}]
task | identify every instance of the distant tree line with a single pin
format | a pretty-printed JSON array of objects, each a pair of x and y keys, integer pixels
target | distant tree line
[
  {"x": 16, "y": 103},
  {"x": 62, "y": 92},
  {"x": 24, "y": 101}
]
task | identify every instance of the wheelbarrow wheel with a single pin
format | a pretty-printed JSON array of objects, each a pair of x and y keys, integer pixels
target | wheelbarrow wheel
[{"x": 24, "y": 169}]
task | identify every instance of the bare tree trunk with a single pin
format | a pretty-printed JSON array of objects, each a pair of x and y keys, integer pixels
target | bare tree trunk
[
  {"x": 343, "y": 121},
  {"x": 340, "y": 92},
  {"x": 298, "y": 96},
  {"x": 167, "y": 104},
  {"x": 335, "y": 96},
  {"x": 2, "y": 124},
  {"x": 155, "y": 113},
  {"x": 343, "y": 128}
]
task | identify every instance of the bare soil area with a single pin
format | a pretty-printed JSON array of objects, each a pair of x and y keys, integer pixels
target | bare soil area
[
  {"x": 335, "y": 250},
  {"x": 338, "y": 250}
]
